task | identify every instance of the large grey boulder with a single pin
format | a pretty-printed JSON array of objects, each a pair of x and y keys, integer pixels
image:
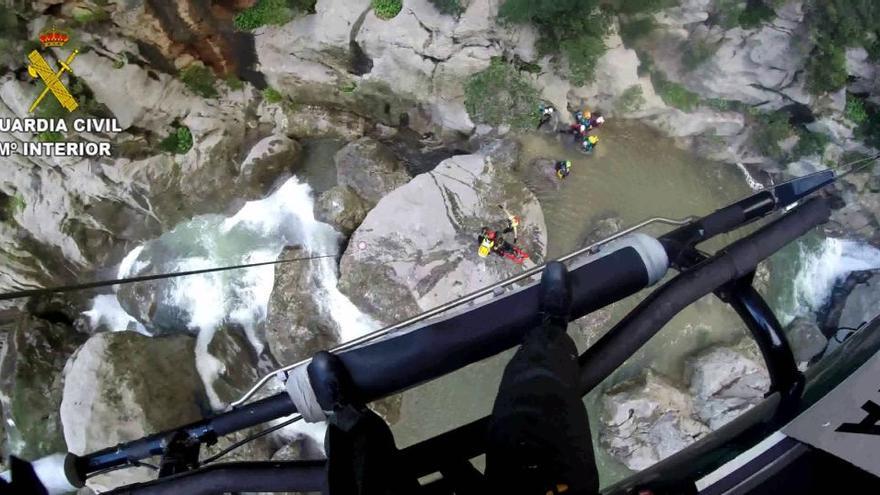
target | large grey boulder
[
  {"x": 646, "y": 420},
  {"x": 298, "y": 324},
  {"x": 418, "y": 247},
  {"x": 32, "y": 359},
  {"x": 725, "y": 382},
  {"x": 760, "y": 66},
  {"x": 121, "y": 386},
  {"x": 370, "y": 169},
  {"x": 239, "y": 364},
  {"x": 341, "y": 207},
  {"x": 266, "y": 161}
]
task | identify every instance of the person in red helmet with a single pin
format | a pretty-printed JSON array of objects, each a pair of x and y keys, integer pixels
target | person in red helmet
[{"x": 492, "y": 242}]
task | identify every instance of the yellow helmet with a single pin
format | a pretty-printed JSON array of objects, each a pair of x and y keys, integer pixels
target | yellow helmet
[{"x": 593, "y": 139}]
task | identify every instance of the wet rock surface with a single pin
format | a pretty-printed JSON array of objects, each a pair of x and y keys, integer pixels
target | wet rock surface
[
  {"x": 342, "y": 208},
  {"x": 297, "y": 324},
  {"x": 241, "y": 367},
  {"x": 806, "y": 339},
  {"x": 370, "y": 169}
]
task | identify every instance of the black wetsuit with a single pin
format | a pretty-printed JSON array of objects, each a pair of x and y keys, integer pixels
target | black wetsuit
[
  {"x": 540, "y": 434},
  {"x": 538, "y": 438}
]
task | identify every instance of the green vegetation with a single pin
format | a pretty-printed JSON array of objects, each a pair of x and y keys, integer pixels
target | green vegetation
[
  {"x": 756, "y": 12},
  {"x": 836, "y": 25},
  {"x": 120, "y": 61},
  {"x": 524, "y": 66},
  {"x": 50, "y": 137},
  {"x": 634, "y": 30},
  {"x": 748, "y": 14},
  {"x": 89, "y": 15},
  {"x": 809, "y": 143},
  {"x": 500, "y": 95},
  {"x": 10, "y": 205},
  {"x": 826, "y": 68},
  {"x": 697, "y": 52},
  {"x": 272, "y": 95},
  {"x": 674, "y": 94},
  {"x": 723, "y": 105},
  {"x": 50, "y": 108},
  {"x": 200, "y": 80},
  {"x": 572, "y": 28},
  {"x": 869, "y": 127},
  {"x": 769, "y": 130},
  {"x": 644, "y": 6},
  {"x": 179, "y": 142},
  {"x": 448, "y": 7},
  {"x": 234, "y": 83},
  {"x": 348, "y": 87},
  {"x": 855, "y": 109},
  {"x": 387, "y": 9},
  {"x": 11, "y": 33},
  {"x": 631, "y": 100},
  {"x": 265, "y": 12}
]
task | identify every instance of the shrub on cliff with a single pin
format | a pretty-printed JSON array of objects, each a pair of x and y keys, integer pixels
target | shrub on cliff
[
  {"x": 500, "y": 95},
  {"x": 674, "y": 94},
  {"x": 867, "y": 116},
  {"x": 769, "y": 130},
  {"x": 387, "y": 9},
  {"x": 826, "y": 68},
  {"x": 631, "y": 100},
  {"x": 836, "y": 25},
  {"x": 272, "y": 95},
  {"x": 179, "y": 142},
  {"x": 271, "y": 12},
  {"x": 200, "y": 80},
  {"x": 572, "y": 28}
]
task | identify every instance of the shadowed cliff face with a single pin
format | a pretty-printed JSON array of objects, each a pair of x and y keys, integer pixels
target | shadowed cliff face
[{"x": 201, "y": 29}]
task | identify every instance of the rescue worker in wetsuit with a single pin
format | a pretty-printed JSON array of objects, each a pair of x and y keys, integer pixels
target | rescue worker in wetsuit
[
  {"x": 563, "y": 169},
  {"x": 546, "y": 114},
  {"x": 486, "y": 239},
  {"x": 538, "y": 438},
  {"x": 589, "y": 144},
  {"x": 512, "y": 224}
]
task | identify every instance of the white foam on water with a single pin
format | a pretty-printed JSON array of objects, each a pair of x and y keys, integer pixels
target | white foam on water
[
  {"x": 750, "y": 180},
  {"x": 107, "y": 311},
  {"x": 821, "y": 269},
  {"x": 129, "y": 264}
]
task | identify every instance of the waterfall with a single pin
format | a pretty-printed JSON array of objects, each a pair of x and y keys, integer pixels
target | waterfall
[
  {"x": 257, "y": 232},
  {"x": 820, "y": 266}
]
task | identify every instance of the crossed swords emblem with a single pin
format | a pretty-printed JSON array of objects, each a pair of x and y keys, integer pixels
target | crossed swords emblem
[{"x": 39, "y": 67}]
